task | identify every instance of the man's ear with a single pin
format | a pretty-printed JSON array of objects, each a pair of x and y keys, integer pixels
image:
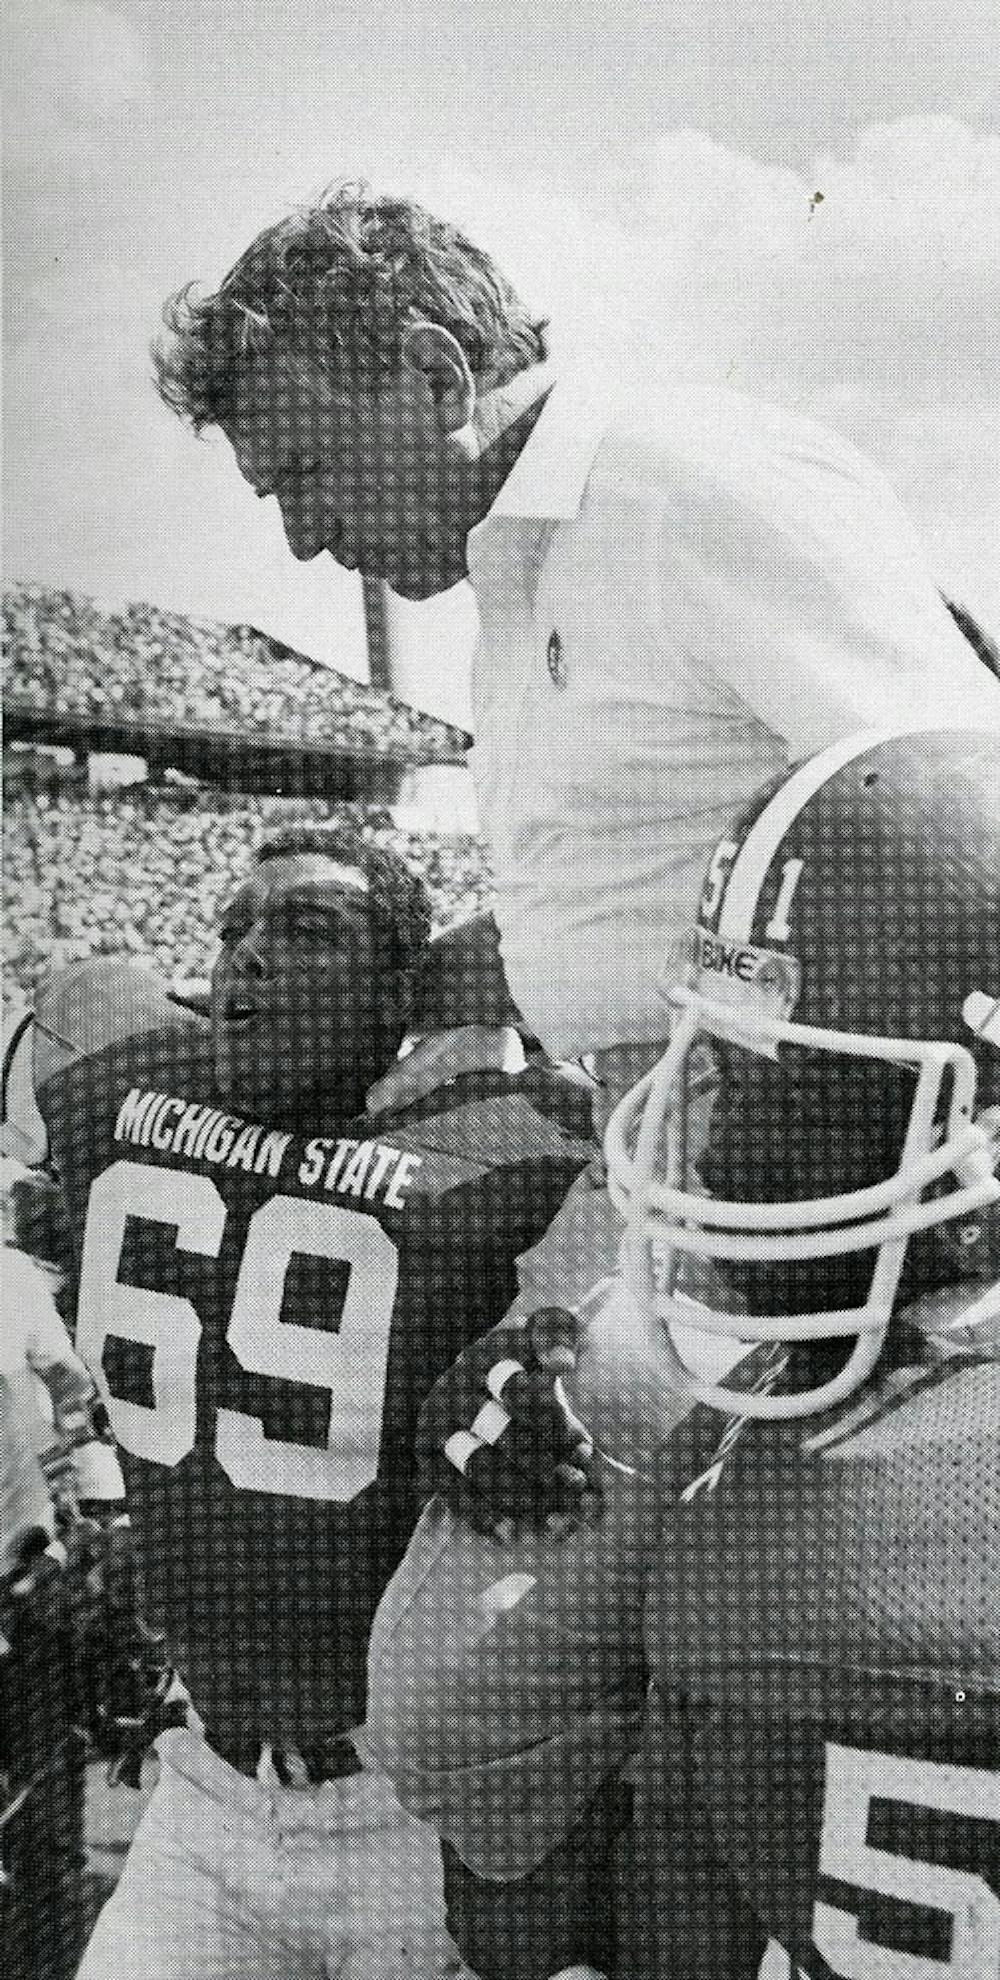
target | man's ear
[{"x": 438, "y": 358}]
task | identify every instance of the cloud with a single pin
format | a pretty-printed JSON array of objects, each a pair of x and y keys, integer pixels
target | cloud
[
  {"x": 709, "y": 255},
  {"x": 78, "y": 74},
  {"x": 874, "y": 309},
  {"x": 72, "y": 66}
]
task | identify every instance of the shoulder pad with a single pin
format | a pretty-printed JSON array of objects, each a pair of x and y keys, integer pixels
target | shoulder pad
[
  {"x": 495, "y": 1130},
  {"x": 93, "y": 1005}
]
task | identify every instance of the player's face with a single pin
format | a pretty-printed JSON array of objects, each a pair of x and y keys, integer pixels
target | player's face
[
  {"x": 358, "y": 466},
  {"x": 303, "y": 1010}
]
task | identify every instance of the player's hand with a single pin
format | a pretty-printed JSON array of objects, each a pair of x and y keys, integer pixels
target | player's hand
[
  {"x": 439, "y": 1058},
  {"x": 497, "y": 1438},
  {"x": 163, "y": 1703}
]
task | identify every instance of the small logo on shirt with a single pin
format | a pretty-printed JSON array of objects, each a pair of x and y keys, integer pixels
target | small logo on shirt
[{"x": 556, "y": 659}]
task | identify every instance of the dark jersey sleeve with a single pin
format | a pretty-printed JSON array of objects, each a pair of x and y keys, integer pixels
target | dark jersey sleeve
[{"x": 561, "y": 1914}]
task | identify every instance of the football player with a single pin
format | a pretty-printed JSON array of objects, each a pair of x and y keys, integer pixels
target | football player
[
  {"x": 268, "y": 1280},
  {"x": 793, "y": 1395}
]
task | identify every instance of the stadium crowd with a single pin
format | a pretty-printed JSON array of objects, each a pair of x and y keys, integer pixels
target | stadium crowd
[
  {"x": 69, "y": 657},
  {"x": 146, "y": 873}
]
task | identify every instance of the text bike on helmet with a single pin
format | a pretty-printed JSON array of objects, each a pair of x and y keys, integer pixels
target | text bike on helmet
[{"x": 819, "y": 1144}]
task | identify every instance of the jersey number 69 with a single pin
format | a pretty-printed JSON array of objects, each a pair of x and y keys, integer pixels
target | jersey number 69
[{"x": 350, "y": 1364}]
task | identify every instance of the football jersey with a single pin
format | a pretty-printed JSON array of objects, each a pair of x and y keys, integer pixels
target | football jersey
[
  {"x": 266, "y": 1307},
  {"x": 817, "y": 1605},
  {"x": 823, "y": 1622}
]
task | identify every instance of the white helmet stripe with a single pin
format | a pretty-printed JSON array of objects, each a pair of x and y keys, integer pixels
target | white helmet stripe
[{"x": 754, "y": 858}]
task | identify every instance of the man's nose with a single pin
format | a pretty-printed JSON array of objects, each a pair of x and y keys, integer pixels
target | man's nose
[{"x": 248, "y": 956}]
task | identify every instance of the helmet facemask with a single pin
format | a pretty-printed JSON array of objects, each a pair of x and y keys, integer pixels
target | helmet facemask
[{"x": 773, "y": 1176}]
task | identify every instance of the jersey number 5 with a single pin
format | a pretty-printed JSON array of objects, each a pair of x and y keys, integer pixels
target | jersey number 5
[
  {"x": 350, "y": 1364},
  {"x": 854, "y": 1780}
]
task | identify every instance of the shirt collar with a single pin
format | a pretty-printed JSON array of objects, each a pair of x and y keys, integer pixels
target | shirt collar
[{"x": 550, "y": 474}]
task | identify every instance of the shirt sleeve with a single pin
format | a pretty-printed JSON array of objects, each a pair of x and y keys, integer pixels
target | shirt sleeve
[
  {"x": 25, "y": 1502},
  {"x": 788, "y": 571}
]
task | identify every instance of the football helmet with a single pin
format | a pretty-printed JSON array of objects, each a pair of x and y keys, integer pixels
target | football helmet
[{"x": 819, "y": 1144}]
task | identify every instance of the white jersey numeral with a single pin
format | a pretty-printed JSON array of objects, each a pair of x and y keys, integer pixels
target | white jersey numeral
[
  {"x": 779, "y": 927},
  {"x": 719, "y": 867},
  {"x": 164, "y": 1322},
  {"x": 350, "y": 1364},
  {"x": 853, "y": 1780}
]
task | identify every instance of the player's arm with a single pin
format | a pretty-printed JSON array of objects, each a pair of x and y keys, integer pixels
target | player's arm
[
  {"x": 549, "y": 1623},
  {"x": 130, "y": 1691},
  {"x": 49, "y": 1548},
  {"x": 80, "y": 1432},
  {"x": 505, "y": 1685},
  {"x": 86, "y": 1577}
]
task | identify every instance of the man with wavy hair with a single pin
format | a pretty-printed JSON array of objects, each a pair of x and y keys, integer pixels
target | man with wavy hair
[
  {"x": 344, "y": 357},
  {"x": 681, "y": 591}
]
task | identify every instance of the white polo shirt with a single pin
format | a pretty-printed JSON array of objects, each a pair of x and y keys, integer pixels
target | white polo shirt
[{"x": 680, "y": 594}]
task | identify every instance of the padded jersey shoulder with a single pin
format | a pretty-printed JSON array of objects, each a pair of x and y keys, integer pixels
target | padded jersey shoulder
[
  {"x": 879, "y": 1530},
  {"x": 103, "y": 1002},
  {"x": 490, "y": 1122}
]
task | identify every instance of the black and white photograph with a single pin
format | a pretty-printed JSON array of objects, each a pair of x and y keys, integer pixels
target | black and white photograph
[{"x": 500, "y": 1129}]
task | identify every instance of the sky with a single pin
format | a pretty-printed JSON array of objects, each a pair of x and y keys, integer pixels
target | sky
[{"x": 647, "y": 173}]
